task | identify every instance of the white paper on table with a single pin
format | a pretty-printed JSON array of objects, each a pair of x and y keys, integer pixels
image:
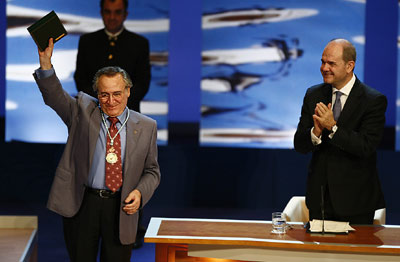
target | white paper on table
[{"x": 330, "y": 226}]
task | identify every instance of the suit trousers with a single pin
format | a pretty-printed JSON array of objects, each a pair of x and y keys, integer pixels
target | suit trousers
[
  {"x": 96, "y": 224},
  {"x": 330, "y": 214}
]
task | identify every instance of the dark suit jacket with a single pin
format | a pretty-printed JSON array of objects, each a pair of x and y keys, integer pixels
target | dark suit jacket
[
  {"x": 347, "y": 162},
  {"x": 130, "y": 52},
  {"x": 82, "y": 118}
]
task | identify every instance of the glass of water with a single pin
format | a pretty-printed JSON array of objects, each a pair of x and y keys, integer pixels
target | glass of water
[{"x": 278, "y": 223}]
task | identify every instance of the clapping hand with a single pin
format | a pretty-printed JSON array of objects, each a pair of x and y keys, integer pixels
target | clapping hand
[{"x": 323, "y": 118}]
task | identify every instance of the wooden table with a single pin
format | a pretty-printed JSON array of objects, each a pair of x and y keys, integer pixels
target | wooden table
[
  {"x": 18, "y": 238},
  {"x": 246, "y": 240}
]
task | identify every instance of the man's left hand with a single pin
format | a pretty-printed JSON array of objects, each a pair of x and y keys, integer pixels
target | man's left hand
[
  {"x": 324, "y": 115},
  {"x": 132, "y": 202},
  {"x": 45, "y": 56}
]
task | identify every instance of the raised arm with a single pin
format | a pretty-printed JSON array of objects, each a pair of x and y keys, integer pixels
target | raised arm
[{"x": 50, "y": 87}]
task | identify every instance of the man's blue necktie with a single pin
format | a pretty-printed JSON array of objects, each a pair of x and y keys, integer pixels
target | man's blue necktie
[{"x": 337, "y": 107}]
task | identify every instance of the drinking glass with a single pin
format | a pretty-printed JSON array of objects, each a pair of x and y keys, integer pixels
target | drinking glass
[{"x": 278, "y": 223}]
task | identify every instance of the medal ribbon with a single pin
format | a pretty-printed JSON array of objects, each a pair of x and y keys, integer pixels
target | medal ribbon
[
  {"x": 108, "y": 132},
  {"x": 113, "y": 157}
]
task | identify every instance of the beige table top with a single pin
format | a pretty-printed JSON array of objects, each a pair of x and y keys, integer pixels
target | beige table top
[{"x": 17, "y": 233}]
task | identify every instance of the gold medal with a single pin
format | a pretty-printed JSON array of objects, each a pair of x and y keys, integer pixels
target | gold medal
[{"x": 112, "y": 158}]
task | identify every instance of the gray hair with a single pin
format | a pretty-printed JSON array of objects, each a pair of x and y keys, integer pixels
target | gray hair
[{"x": 111, "y": 71}]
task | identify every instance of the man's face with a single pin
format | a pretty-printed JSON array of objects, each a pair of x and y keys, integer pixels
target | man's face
[
  {"x": 334, "y": 69},
  {"x": 113, "y": 94},
  {"x": 114, "y": 15}
]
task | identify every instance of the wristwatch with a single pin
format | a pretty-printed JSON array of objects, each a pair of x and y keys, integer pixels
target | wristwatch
[{"x": 333, "y": 130}]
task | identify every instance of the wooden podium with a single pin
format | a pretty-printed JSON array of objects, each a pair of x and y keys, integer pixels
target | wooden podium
[
  {"x": 18, "y": 238},
  {"x": 245, "y": 240}
]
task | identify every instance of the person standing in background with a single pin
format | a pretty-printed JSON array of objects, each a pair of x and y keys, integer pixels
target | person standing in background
[
  {"x": 342, "y": 122},
  {"x": 114, "y": 46}
]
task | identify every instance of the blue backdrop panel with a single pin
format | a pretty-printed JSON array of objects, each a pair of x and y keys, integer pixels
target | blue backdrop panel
[
  {"x": 3, "y": 25},
  {"x": 380, "y": 70},
  {"x": 184, "y": 61},
  {"x": 254, "y": 77},
  {"x": 247, "y": 105},
  {"x": 24, "y": 102}
]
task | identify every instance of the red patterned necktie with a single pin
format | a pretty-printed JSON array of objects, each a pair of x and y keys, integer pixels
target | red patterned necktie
[{"x": 113, "y": 157}]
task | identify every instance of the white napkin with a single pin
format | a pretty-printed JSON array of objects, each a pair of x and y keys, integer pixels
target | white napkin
[{"x": 330, "y": 226}]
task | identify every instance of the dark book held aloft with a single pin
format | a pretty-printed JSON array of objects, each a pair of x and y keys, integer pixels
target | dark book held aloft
[{"x": 45, "y": 28}]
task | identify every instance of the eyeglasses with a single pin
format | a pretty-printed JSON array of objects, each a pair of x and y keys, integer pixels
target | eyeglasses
[{"x": 106, "y": 96}]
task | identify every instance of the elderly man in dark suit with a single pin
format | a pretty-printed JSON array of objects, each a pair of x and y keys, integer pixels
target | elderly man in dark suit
[
  {"x": 341, "y": 123},
  {"x": 109, "y": 168},
  {"x": 114, "y": 46}
]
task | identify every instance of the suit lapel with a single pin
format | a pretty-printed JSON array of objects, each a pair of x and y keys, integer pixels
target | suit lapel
[
  {"x": 327, "y": 94},
  {"x": 352, "y": 102},
  {"x": 94, "y": 130},
  {"x": 133, "y": 130}
]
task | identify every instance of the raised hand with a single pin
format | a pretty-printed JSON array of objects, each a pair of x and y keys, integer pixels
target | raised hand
[{"x": 45, "y": 56}]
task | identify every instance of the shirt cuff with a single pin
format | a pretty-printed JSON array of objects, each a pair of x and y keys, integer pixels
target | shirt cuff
[
  {"x": 40, "y": 73},
  {"x": 314, "y": 139}
]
